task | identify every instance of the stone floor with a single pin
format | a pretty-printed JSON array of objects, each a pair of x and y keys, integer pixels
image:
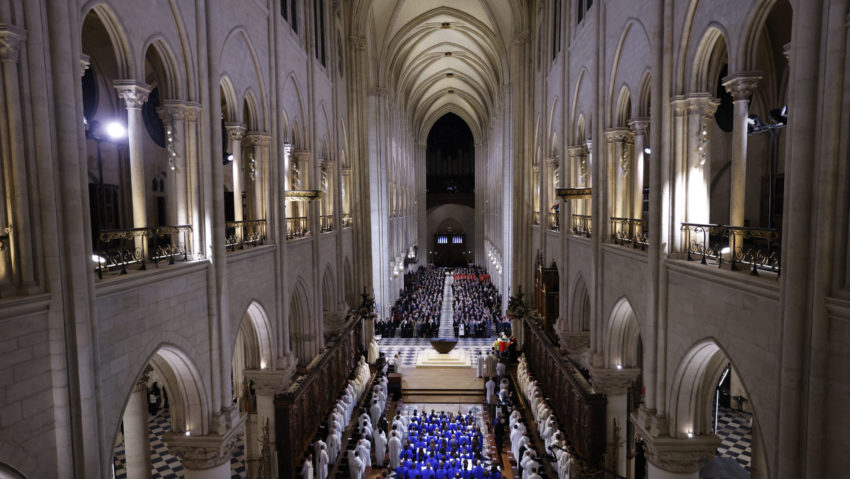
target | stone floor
[
  {"x": 409, "y": 347},
  {"x": 733, "y": 429},
  {"x": 165, "y": 465}
]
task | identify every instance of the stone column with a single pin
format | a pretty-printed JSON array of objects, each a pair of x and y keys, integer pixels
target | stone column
[
  {"x": 173, "y": 115},
  {"x": 701, "y": 108},
  {"x": 136, "y": 439},
  {"x": 639, "y": 127},
  {"x": 615, "y": 384},
  {"x": 135, "y": 94},
  {"x": 235, "y": 132},
  {"x": 740, "y": 86},
  {"x": 619, "y": 168},
  {"x": 254, "y": 174},
  {"x": 678, "y": 157},
  {"x": 205, "y": 457},
  {"x": 17, "y": 197},
  {"x": 194, "y": 208},
  {"x": 548, "y": 182},
  {"x": 266, "y": 382}
]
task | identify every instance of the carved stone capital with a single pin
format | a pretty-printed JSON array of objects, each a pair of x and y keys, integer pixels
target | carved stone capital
[
  {"x": 193, "y": 110},
  {"x": 301, "y": 155},
  {"x": 268, "y": 382},
  {"x": 359, "y": 43},
  {"x": 623, "y": 135},
  {"x": 741, "y": 85},
  {"x": 639, "y": 126},
  {"x": 552, "y": 162},
  {"x": 134, "y": 93},
  {"x": 204, "y": 452},
  {"x": 172, "y": 111},
  {"x": 679, "y": 104},
  {"x": 255, "y": 138},
  {"x": 142, "y": 383},
  {"x": 521, "y": 37},
  {"x": 11, "y": 38},
  {"x": 702, "y": 104},
  {"x": 85, "y": 63},
  {"x": 235, "y": 131},
  {"x": 677, "y": 455},
  {"x": 613, "y": 382}
]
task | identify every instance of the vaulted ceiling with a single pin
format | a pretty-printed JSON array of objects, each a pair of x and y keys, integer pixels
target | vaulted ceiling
[{"x": 444, "y": 56}]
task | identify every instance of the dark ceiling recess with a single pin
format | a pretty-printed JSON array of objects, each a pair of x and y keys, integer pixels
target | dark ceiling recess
[{"x": 450, "y": 157}]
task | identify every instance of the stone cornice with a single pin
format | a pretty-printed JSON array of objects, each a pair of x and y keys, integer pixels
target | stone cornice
[
  {"x": 681, "y": 455},
  {"x": 134, "y": 93},
  {"x": 741, "y": 85}
]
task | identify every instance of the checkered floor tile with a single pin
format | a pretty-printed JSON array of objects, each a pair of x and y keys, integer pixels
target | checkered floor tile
[
  {"x": 165, "y": 465},
  {"x": 408, "y": 348},
  {"x": 733, "y": 429}
]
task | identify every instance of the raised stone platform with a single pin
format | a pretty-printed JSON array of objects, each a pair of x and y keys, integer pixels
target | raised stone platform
[{"x": 430, "y": 358}]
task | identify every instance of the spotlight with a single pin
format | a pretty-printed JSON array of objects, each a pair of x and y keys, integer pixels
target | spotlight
[
  {"x": 115, "y": 130},
  {"x": 228, "y": 159},
  {"x": 97, "y": 259},
  {"x": 647, "y": 150},
  {"x": 690, "y": 435}
]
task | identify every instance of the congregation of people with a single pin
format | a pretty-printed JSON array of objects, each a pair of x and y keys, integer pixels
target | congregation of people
[
  {"x": 476, "y": 302},
  {"x": 416, "y": 313}
]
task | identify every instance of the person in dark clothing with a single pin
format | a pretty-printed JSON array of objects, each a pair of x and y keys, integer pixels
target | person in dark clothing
[{"x": 499, "y": 436}]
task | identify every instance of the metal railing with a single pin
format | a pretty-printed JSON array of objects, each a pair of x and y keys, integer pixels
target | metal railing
[
  {"x": 297, "y": 227},
  {"x": 554, "y": 221},
  {"x": 755, "y": 248},
  {"x": 326, "y": 223},
  {"x": 119, "y": 249},
  {"x": 582, "y": 225},
  {"x": 630, "y": 232},
  {"x": 241, "y": 233},
  {"x": 346, "y": 221}
]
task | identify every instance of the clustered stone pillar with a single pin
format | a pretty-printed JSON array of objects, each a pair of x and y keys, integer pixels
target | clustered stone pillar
[
  {"x": 266, "y": 382},
  {"x": 678, "y": 458},
  {"x": 701, "y": 108},
  {"x": 235, "y": 132},
  {"x": 173, "y": 115},
  {"x": 639, "y": 127},
  {"x": 615, "y": 384},
  {"x": 136, "y": 440},
  {"x": 135, "y": 94},
  {"x": 740, "y": 86},
  {"x": 619, "y": 171}
]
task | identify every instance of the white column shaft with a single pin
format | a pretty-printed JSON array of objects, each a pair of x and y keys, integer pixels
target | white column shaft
[{"x": 136, "y": 442}]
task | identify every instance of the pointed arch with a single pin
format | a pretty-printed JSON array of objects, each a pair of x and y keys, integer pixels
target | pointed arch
[
  {"x": 250, "y": 112},
  {"x": 644, "y": 105},
  {"x": 228, "y": 98},
  {"x": 624, "y": 107},
  {"x": 350, "y": 290},
  {"x": 622, "y": 338},
  {"x": 580, "y": 305},
  {"x": 711, "y": 54},
  {"x": 165, "y": 67},
  {"x": 122, "y": 54},
  {"x": 301, "y": 331}
]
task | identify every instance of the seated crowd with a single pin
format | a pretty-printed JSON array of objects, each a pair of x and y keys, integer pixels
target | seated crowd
[
  {"x": 438, "y": 445},
  {"x": 476, "y": 302}
]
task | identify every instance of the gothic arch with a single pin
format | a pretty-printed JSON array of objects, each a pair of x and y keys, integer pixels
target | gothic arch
[
  {"x": 580, "y": 306},
  {"x": 622, "y": 338},
  {"x": 228, "y": 99},
  {"x": 302, "y": 331},
  {"x": 250, "y": 112},
  {"x": 350, "y": 291},
  {"x": 644, "y": 105},
  {"x": 711, "y": 54},
  {"x": 241, "y": 32},
  {"x": 165, "y": 68},
  {"x": 624, "y": 107},
  {"x": 328, "y": 289},
  {"x": 8, "y": 472},
  {"x": 122, "y": 55}
]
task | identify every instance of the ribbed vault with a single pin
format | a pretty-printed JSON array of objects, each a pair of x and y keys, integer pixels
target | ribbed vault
[{"x": 443, "y": 56}]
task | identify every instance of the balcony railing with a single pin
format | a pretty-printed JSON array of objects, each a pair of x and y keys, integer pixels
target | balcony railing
[
  {"x": 241, "y": 233},
  {"x": 297, "y": 227},
  {"x": 755, "y": 248},
  {"x": 582, "y": 225},
  {"x": 122, "y": 248},
  {"x": 554, "y": 221},
  {"x": 536, "y": 218},
  {"x": 326, "y": 223},
  {"x": 346, "y": 221},
  {"x": 629, "y": 232}
]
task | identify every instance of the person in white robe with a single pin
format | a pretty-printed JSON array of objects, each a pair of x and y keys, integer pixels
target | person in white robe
[
  {"x": 363, "y": 447},
  {"x": 334, "y": 443},
  {"x": 380, "y": 441},
  {"x": 355, "y": 465},
  {"x": 395, "y": 450},
  {"x": 373, "y": 351},
  {"x": 323, "y": 462},
  {"x": 490, "y": 385},
  {"x": 307, "y": 468},
  {"x": 376, "y": 411},
  {"x": 501, "y": 369}
]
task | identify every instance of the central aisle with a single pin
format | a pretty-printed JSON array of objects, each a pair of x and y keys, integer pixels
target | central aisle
[{"x": 447, "y": 313}]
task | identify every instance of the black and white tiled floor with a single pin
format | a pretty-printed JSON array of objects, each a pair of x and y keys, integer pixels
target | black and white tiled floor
[
  {"x": 733, "y": 429},
  {"x": 409, "y": 347},
  {"x": 165, "y": 465}
]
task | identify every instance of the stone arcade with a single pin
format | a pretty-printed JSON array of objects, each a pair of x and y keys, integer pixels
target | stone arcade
[{"x": 195, "y": 193}]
